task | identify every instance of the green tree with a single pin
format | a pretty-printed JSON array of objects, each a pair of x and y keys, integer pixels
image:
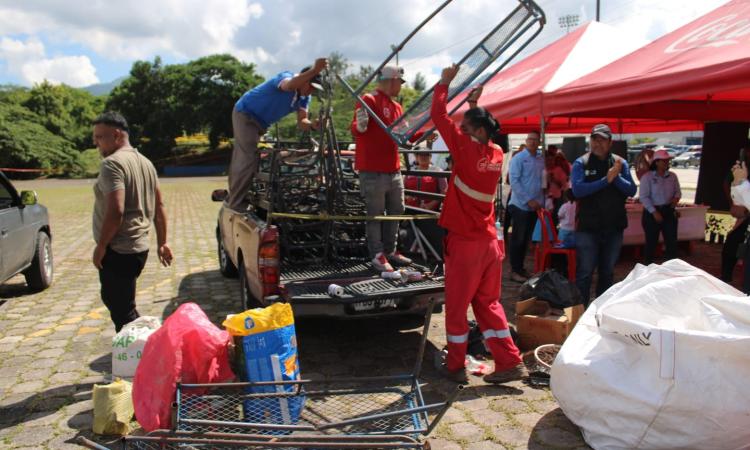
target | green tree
[
  {"x": 338, "y": 64},
  {"x": 420, "y": 83},
  {"x": 216, "y": 83},
  {"x": 163, "y": 102},
  {"x": 64, "y": 111},
  {"x": 26, "y": 143}
]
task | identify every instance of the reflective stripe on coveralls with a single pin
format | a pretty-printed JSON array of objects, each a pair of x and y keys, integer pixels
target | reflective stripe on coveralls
[
  {"x": 458, "y": 339},
  {"x": 496, "y": 333},
  {"x": 476, "y": 195}
]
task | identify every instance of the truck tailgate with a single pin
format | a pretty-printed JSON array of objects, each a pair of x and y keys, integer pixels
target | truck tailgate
[{"x": 364, "y": 292}]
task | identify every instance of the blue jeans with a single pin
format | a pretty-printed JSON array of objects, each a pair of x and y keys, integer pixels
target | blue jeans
[{"x": 599, "y": 250}]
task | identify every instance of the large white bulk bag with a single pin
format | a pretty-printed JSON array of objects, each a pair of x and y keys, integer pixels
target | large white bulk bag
[{"x": 660, "y": 361}]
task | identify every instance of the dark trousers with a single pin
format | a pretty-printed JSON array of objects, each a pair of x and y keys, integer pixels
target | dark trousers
[
  {"x": 729, "y": 251},
  {"x": 668, "y": 229},
  {"x": 523, "y": 225},
  {"x": 596, "y": 251},
  {"x": 117, "y": 277}
]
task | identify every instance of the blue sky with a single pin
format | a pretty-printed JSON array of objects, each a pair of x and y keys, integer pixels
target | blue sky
[{"x": 81, "y": 42}]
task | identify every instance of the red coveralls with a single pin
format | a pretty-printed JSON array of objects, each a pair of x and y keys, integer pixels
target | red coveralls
[{"x": 473, "y": 254}]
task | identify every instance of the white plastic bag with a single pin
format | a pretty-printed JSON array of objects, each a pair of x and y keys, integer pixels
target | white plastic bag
[
  {"x": 660, "y": 361},
  {"x": 127, "y": 345}
]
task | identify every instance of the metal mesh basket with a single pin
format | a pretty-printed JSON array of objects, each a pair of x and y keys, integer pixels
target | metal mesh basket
[{"x": 310, "y": 407}]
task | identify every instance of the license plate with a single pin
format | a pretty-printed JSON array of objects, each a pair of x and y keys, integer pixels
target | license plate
[{"x": 374, "y": 304}]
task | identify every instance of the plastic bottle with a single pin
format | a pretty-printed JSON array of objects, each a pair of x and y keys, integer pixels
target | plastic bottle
[
  {"x": 499, "y": 230},
  {"x": 395, "y": 275},
  {"x": 411, "y": 275},
  {"x": 334, "y": 290}
]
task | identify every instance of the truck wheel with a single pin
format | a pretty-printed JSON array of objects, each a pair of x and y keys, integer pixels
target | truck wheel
[
  {"x": 39, "y": 275},
  {"x": 246, "y": 296},
  {"x": 226, "y": 266}
]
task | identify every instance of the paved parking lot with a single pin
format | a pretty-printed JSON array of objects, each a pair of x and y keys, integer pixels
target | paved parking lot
[{"x": 55, "y": 345}]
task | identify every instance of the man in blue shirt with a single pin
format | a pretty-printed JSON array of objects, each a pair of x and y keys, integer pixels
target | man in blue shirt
[
  {"x": 526, "y": 175},
  {"x": 258, "y": 109},
  {"x": 601, "y": 182}
]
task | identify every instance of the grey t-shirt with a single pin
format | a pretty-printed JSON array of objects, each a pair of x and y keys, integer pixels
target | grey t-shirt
[{"x": 127, "y": 170}]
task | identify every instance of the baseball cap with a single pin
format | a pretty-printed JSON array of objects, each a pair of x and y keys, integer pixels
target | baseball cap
[
  {"x": 661, "y": 154},
  {"x": 391, "y": 72},
  {"x": 601, "y": 130},
  {"x": 316, "y": 81}
]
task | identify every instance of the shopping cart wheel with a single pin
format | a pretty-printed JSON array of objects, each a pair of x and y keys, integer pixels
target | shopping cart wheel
[{"x": 426, "y": 445}]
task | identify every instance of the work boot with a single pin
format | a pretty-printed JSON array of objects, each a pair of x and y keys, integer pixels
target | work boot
[
  {"x": 515, "y": 373},
  {"x": 518, "y": 277},
  {"x": 381, "y": 264},
  {"x": 397, "y": 259},
  {"x": 457, "y": 376}
]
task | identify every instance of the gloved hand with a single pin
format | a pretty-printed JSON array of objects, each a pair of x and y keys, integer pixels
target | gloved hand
[{"x": 362, "y": 120}]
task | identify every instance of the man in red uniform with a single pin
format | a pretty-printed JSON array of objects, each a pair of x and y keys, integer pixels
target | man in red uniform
[
  {"x": 473, "y": 254},
  {"x": 377, "y": 160},
  {"x": 434, "y": 185}
]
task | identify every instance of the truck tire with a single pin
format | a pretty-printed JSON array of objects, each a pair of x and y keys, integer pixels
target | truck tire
[
  {"x": 39, "y": 275},
  {"x": 226, "y": 266},
  {"x": 246, "y": 296}
]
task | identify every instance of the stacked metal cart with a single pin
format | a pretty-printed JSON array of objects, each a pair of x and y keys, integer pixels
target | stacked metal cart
[{"x": 383, "y": 412}]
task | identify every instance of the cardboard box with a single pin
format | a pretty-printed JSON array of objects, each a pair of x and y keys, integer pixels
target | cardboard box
[{"x": 537, "y": 323}]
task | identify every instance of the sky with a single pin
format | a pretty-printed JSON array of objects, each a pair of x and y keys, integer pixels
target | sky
[{"x": 84, "y": 42}]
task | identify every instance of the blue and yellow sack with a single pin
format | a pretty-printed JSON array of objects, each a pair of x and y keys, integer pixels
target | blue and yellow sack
[{"x": 265, "y": 338}]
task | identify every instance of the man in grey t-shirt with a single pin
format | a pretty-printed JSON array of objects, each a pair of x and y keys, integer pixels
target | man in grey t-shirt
[{"x": 127, "y": 202}]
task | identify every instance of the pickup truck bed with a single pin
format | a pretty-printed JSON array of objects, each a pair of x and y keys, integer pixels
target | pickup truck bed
[{"x": 364, "y": 292}]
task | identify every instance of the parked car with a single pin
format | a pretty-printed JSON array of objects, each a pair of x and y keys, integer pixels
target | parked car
[
  {"x": 688, "y": 159},
  {"x": 25, "y": 237}
]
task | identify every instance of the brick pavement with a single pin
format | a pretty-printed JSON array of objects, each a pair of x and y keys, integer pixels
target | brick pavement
[{"x": 54, "y": 345}]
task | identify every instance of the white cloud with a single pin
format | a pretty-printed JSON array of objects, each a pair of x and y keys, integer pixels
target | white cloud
[
  {"x": 75, "y": 71},
  {"x": 138, "y": 29},
  {"x": 290, "y": 35},
  {"x": 27, "y": 60}
]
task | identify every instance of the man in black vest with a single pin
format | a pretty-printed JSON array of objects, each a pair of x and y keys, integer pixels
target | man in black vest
[{"x": 601, "y": 181}]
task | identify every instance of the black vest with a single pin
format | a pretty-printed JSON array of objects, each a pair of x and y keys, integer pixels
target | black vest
[{"x": 604, "y": 210}]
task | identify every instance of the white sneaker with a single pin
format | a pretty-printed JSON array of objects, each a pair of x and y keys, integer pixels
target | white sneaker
[{"x": 381, "y": 264}]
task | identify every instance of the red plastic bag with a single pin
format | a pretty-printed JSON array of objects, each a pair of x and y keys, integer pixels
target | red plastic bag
[{"x": 187, "y": 348}]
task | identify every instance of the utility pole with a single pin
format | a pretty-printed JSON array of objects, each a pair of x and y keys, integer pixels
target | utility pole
[{"x": 597, "y": 10}]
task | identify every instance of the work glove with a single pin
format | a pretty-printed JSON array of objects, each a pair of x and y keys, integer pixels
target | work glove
[{"x": 362, "y": 119}]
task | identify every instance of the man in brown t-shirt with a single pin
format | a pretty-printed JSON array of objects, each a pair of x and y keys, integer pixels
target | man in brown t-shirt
[{"x": 127, "y": 202}]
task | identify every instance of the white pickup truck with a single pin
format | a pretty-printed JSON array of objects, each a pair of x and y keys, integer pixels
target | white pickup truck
[{"x": 295, "y": 260}]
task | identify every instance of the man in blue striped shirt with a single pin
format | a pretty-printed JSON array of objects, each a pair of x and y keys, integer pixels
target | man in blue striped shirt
[{"x": 526, "y": 175}]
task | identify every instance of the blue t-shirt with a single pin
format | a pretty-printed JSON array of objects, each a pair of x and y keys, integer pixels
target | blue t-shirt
[{"x": 268, "y": 104}]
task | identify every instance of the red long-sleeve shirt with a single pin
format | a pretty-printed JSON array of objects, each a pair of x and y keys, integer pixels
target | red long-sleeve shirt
[
  {"x": 468, "y": 209},
  {"x": 375, "y": 150}
]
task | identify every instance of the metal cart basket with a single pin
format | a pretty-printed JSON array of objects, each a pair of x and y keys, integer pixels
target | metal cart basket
[{"x": 366, "y": 412}]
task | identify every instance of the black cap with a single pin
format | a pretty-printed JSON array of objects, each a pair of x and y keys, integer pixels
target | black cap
[
  {"x": 316, "y": 81},
  {"x": 601, "y": 130}
]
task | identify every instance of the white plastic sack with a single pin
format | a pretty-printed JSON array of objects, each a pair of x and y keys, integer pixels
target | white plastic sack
[
  {"x": 660, "y": 361},
  {"x": 127, "y": 345}
]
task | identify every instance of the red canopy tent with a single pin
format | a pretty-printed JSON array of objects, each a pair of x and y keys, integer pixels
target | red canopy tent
[
  {"x": 700, "y": 72},
  {"x": 517, "y": 95}
]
